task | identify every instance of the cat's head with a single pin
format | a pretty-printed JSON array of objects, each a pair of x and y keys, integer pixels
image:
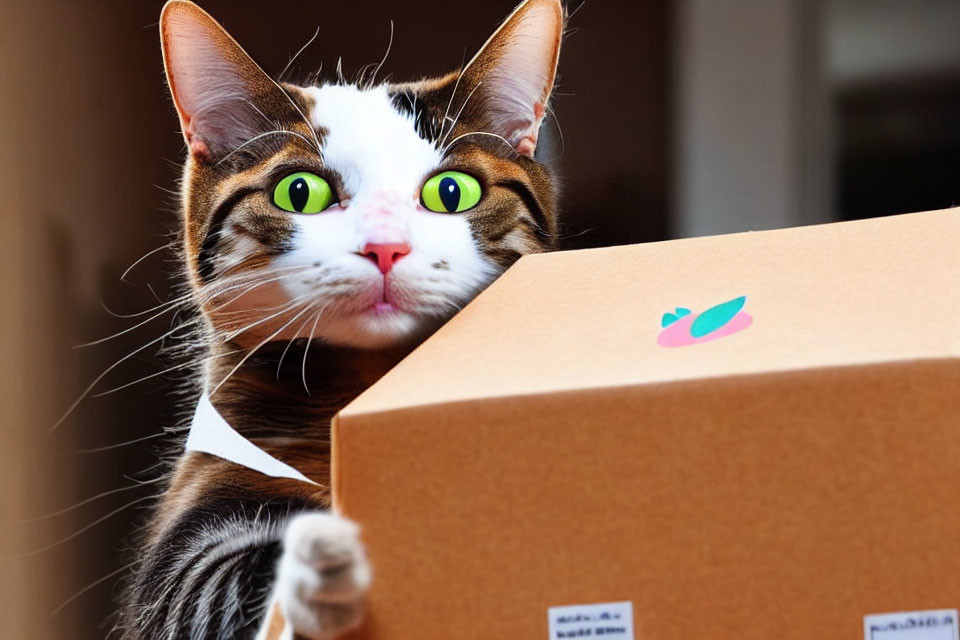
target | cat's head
[{"x": 359, "y": 214}]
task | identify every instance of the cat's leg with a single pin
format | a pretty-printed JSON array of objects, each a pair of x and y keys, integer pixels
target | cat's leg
[
  {"x": 226, "y": 544},
  {"x": 322, "y": 577}
]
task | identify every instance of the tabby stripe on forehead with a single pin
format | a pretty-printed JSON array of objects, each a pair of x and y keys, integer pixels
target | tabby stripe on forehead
[
  {"x": 212, "y": 235},
  {"x": 422, "y": 108}
]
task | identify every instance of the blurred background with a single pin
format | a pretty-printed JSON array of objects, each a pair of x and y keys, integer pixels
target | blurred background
[{"x": 679, "y": 118}]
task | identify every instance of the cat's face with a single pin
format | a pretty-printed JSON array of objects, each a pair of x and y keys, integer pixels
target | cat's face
[{"x": 358, "y": 214}]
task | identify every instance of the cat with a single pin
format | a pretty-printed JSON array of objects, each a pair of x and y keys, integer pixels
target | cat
[{"x": 327, "y": 230}]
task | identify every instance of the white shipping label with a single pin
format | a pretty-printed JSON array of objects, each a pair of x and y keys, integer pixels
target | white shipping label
[
  {"x": 911, "y": 625},
  {"x": 608, "y": 621}
]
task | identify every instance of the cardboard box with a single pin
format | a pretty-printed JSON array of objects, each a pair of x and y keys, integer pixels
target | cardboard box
[{"x": 779, "y": 476}]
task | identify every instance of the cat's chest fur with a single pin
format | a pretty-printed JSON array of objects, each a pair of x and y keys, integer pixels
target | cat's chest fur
[{"x": 291, "y": 391}]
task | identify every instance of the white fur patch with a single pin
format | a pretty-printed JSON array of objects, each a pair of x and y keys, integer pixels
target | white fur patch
[
  {"x": 383, "y": 164},
  {"x": 373, "y": 146}
]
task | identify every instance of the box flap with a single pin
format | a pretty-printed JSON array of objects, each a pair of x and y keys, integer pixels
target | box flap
[{"x": 822, "y": 296}]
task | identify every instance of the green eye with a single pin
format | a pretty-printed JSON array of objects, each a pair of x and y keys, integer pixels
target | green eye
[
  {"x": 303, "y": 193},
  {"x": 451, "y": 192}
]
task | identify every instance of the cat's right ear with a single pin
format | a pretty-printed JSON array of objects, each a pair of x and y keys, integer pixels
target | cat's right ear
[
  {"x": 221, "y": 95},
  {"x": 513, "y": 75}
]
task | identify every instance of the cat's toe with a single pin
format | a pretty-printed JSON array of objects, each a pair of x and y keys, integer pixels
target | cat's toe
[{"x": 323, "y": 575}]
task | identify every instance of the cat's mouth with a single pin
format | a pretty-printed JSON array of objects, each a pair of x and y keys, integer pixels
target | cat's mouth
[
  {"x": 384, "y": 308},
  {"x": 386, "y": 304}
]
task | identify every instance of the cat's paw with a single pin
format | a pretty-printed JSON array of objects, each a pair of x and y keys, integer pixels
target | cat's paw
[{"x": 322, "y": 577}]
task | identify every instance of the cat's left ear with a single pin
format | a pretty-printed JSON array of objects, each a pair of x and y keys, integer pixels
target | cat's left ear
[
  {"x": 222, "y": 97},
  {"x": 506, "y": 87}
]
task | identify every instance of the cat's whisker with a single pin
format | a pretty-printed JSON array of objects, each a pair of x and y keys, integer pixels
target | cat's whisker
[
  {"x": 231, "y": 335},
  {"x": 77, "y": 505},
  {"x": 383, "y": 60},
  {"x": 261, "y": 136},
  {"x": 273, "y": 123},
  {"x": 124, "y": 331},
  {"x": 360, "y": 76},
  {"x": 169, "y": 192},
  {"x": 229, "y": 281},
  {"x": 478, "y": 133},
  {"x": 453, "y": 95},
  {"x": 315, "y": 144},
  {"x": 153, "y": 293},
  {"x": 256, "y": 348},
  {"x": 556, "y": 121},
  {"x": 295, "y": 337},
  {"x": 146, "y": 470},
  {"x": 90, "y": 586},
  {"x": 144, "y": 257},
  {"x": 315, "y": 78},
  {"x": 233, "y": 282},
  {"x": 316, "y": 139},
  {"x": 87, "y": 527},
  {"x": 417, "y": 116},
  {"x": 119, "y": 445},
  {"x": 105, "y": 372},
  {"x": 231, "y": 278},
  {"x": 212, "y": 299},
  {"x": 303, "y": 367},
  {"x": 210, "y": 294},
  {"x": 157, "y": 374},
  {"x": 290, "y": 306},
  {"x": 574, "y": 12},
  {"x": 182, "y": 299},
  {"x": 453, "y": 124},
  {"x": 297, "y": 54},
  {"x": 247, "y": 312},
  {"x": 254, "y": 279}
]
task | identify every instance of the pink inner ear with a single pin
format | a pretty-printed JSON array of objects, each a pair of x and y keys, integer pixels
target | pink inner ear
[
  {"x": 528, "y": 143},
  {"x": 199, "y": 149},
  {"x": 527, "y": 146},
  {"x": 518, "y": 78},
  {"x": 206, "y": 71}
]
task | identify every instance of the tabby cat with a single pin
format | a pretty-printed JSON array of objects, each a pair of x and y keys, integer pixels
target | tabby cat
[{"x": 327, "y": 230}]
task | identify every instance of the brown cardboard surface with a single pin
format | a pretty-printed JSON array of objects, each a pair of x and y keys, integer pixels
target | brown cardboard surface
[
  {"x": 543, "y": 450},
  {"x": 827, "y": 295}
]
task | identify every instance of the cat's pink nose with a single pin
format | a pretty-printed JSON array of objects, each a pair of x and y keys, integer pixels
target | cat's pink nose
[{"x": 385, "y": 255}]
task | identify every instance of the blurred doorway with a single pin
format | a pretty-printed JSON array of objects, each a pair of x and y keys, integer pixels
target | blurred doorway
[{"x": 800, "y": 111}]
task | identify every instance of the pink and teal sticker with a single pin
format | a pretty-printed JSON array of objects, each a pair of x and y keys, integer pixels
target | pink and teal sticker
[{"x": 683, "y": 327}]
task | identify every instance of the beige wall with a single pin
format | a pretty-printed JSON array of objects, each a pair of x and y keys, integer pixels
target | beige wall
[
  {"x": 26, "y": 389},
  {"x": 734, "y": 158},
  {"x": 69, "y": 216}
]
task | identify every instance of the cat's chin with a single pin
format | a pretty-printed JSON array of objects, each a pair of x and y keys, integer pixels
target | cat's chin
[{"x": 381, "y": 326}]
